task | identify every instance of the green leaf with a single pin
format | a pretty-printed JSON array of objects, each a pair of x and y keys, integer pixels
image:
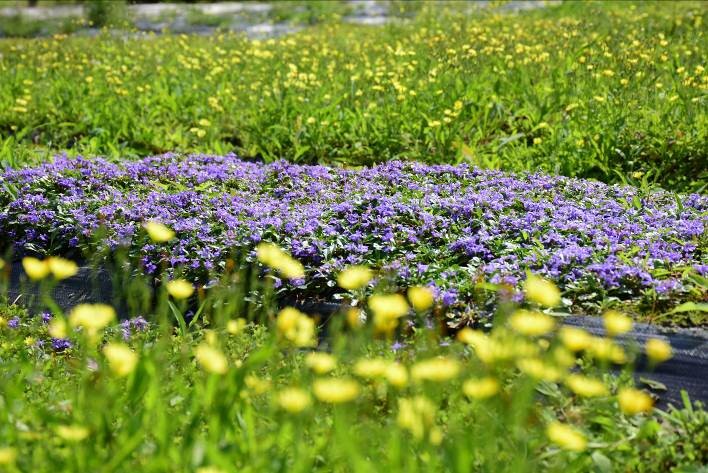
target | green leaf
[
  {"x": 690, "y": 307},
  {"x": 180, "y": 318}
]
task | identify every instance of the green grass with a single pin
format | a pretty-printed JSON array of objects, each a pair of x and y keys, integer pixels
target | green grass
[
  {"x": 608, "y": 91},
  {"x": 212, "y": 395}
]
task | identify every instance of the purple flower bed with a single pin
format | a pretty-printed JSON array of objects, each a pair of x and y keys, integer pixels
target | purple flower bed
[{"x": 448, "y": 226}]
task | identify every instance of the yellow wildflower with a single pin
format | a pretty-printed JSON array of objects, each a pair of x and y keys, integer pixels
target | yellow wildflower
[
  {"x": 575, "y": 339},
  {"x": 371, "y": 368},
  {"x": 538, "y": 369},
  {"x": 273, "y": 257},
  {"x": 211, "y": 359},
  {"x": 296, "y": 327},
  {"x": 180, "y": 288},
  {"x": 616, "y": 323},
  {"x": 566, "y": 437},
  {"x": 542, "y": 291},
  {"x": 62, "y": 268},
  {"x": 293, "y": 400},
  {"x": 421, "y": 298},
  {"x": 93, "y": 317},
  {"x": 657, "y": 350},
  {"x": 158, "y": 232},
  {"x": 437, "y": 369},
  {"x": 320, "y": 362},
  {"x": 586, "y": 387},
  {"x": 481, "y": 388},
  {"x": 606, "y": 350},
  {"x": 397, "y": 375},
  {"x": 121, "y": 359},
  {"x": 335, "y": 390},
  {"x": 72, "y": 433},
  {"x": 634, "y": 401},
  {"x": 256, "y": 384},
  {"x": 388, "y": 306},
  {"x": 417, "y": 415},
  {"x": 531, "y": 323},
  {"x": 36, "y": 269},
  {"x": 234, "y": 327},
  {"x": 354, "y": 277}
]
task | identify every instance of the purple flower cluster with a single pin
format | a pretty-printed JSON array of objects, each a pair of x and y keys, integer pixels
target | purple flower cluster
[{"x": 447, "y": 226}]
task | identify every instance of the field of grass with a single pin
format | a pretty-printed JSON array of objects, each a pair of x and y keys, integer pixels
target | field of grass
[
  {"x": 608, "y": 91},
  {"x": 82, "y": 393},
  {"x": 455, "y": 182}
]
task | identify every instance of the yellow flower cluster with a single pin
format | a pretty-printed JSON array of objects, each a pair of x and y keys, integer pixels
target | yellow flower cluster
[
  {"x": 296, "y": 327},
  {"x": 272, "y": 256}
]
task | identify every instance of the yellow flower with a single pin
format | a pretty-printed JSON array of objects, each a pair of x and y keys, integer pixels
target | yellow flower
[
  {"x": 72, "y": 433},
  {"x": 387, "y": 309},
  {"x": 62, "y": 268},
  {"x": 57, "y": 328},
  {"x": 421, "y": 298},
  {"x": 234, "y": 327},
  {"x": 481, "y": 388},
  {"x": 35, "y": 269},
  {"x": 320, "y": 363},
  {"x": 616, "y": 323},
  {"x": 607, "y": 350},
  {"x": 566, "y": 437},
  {"x": 158, "y": 232},
  {"x": 633, "y": 401},
  {"x": 371, "y": 368},
  {"x": 293, "y": 400},
  {"x": 93, "y": 317},
  {"x": 273, "y": 257},
  {"x": 397, "y": 375},
  {"x": 574, "y": 339},
  {"x": 437, "y": 369},
  {"x": 256, "y": 384},
  {"x": 586, "y": 387},
  {"x": 211, "y": 359},
  {"x": 8, "y": 455},
  {"x": 658, "y": 350},
  {"x": 354, "y": 277},
  {"x": 538, "y": 369},
  {"x": 2, "y": 263},
  {"x": 296, "y": 327},
  {"x": 121, "y": 359},
  {"x": 335, "y": 390},
  {"x": 354, "y": 317},
  {"x": 417, "y": 415},
  {"x": 180, "y": 288},
  {"x": 531, "y": 323},
  {"x": 542, "y": 291},
  {"x": 388, "y": 306}
]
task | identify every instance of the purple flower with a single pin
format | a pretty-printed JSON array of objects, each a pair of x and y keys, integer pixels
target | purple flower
[
  {"x": 448, "y": 227},
  {"x": 13, "y": 323},
  {"x": 61, "y": 344}
]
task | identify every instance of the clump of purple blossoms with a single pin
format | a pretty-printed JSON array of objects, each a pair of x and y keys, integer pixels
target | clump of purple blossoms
[
  {"x": 13, "y": 323},
  {"x": 61, "y": 344},
  {"x": 138, "y": 324},
  {"x": 445, "y": 226}
]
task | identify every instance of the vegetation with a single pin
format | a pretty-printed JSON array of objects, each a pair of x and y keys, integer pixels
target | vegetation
[
  {"x": 220, "y": 393},
  {"x": 605, "y": 91}
]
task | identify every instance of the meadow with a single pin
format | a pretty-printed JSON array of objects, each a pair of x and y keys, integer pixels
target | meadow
[
  {"x": 355, "y": 248},
  {"x": 608, "y": 91}
]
